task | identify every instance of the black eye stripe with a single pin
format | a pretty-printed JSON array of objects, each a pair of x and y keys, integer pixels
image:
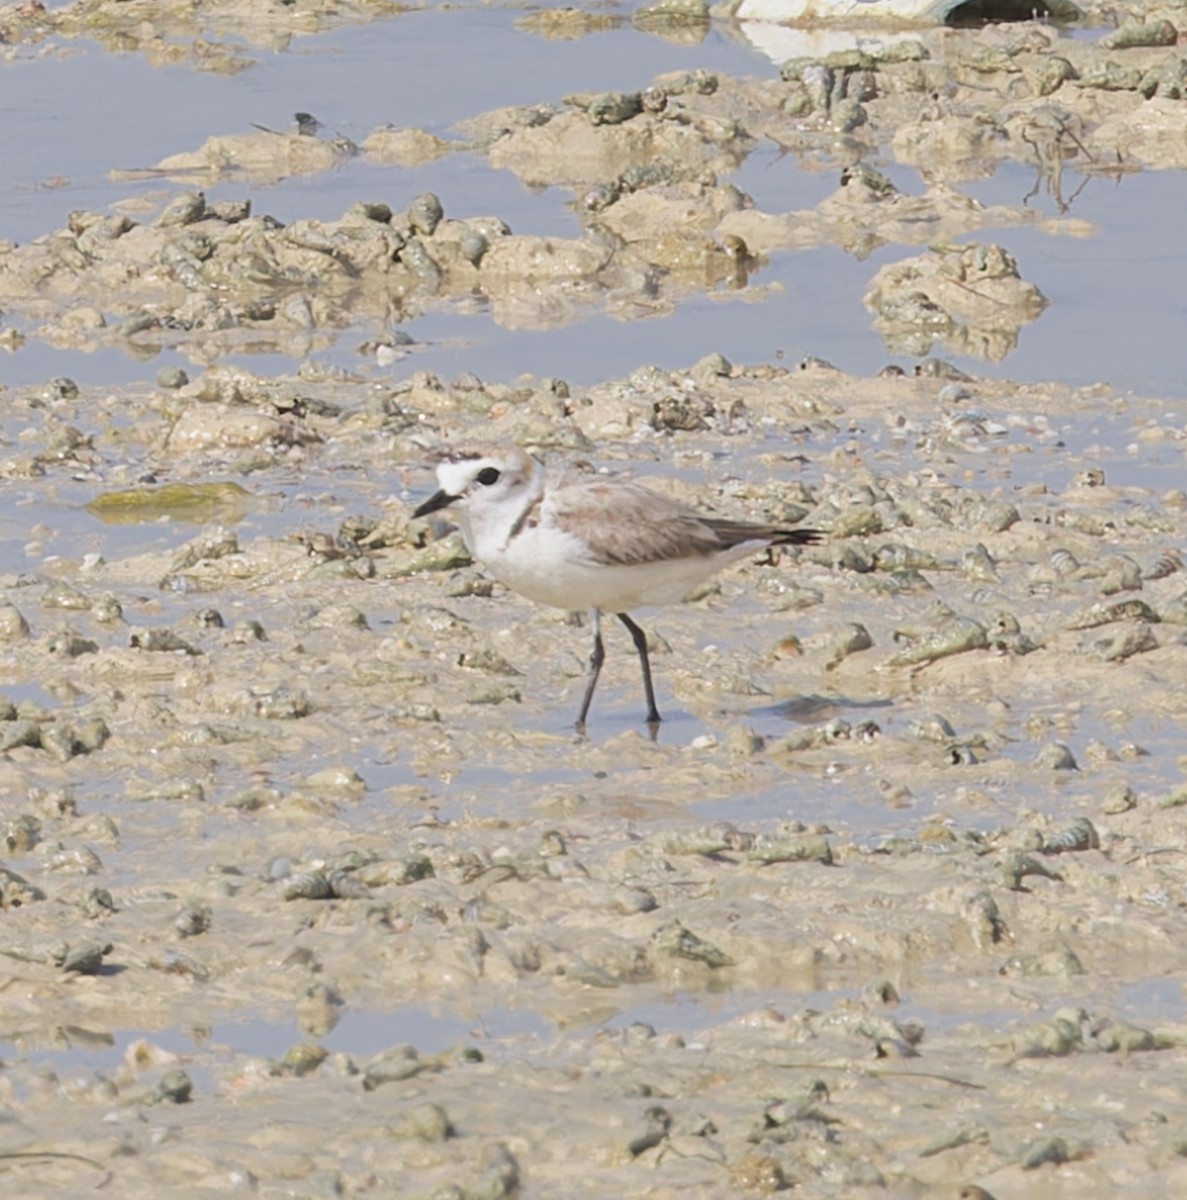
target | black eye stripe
[{"x": 487, "y": 476}]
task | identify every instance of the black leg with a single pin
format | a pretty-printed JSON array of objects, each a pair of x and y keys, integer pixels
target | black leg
[
  {"x": 640, "y": 640},
  {"x": 595, "y": 668}
]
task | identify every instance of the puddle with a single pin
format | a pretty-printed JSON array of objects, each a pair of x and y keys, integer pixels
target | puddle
[
  {"x": 1098, "y": 285},
  {"x": 207, "y": 1053},
  {"x": 1158, "y": 998},
  {"x": 91, "y": 111},
  {"x": 359, "y": 1034}
]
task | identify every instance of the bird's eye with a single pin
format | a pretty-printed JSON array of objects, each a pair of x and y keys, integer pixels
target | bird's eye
[{"x": 487, "y": 476}]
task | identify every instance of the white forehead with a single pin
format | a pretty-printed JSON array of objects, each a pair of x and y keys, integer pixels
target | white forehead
[{"x": 456, "y": 475}]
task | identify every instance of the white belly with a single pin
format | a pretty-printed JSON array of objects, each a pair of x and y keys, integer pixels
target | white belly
[{"x": 552, "y": 567}]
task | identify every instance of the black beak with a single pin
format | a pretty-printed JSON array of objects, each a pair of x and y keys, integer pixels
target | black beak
[{"x": 437, "y": 501}]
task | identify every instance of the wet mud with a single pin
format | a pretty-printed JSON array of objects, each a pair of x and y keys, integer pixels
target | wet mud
[{"x": 891, "y": 905}]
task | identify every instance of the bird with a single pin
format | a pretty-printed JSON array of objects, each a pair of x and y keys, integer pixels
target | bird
[{"x": 576, "y": 541}]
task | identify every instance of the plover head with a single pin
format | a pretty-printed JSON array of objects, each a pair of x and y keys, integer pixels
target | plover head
[{"x": 486, "y": 476}]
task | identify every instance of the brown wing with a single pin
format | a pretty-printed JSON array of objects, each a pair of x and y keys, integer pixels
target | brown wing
[{"x": 625, "y": 524}]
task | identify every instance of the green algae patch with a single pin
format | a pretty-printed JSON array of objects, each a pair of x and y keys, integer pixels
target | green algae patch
[{"x": 179, "y": 501}]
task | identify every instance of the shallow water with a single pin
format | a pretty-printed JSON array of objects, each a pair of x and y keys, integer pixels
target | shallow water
[{"x": 83, "y": 112}]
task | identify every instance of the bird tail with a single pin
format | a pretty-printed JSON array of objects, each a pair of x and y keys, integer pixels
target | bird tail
[{"x": 797, "y": 537}]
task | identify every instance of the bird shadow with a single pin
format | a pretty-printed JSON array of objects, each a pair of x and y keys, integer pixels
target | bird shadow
[
  {"x": 811, "y": 710},
  {"x": 679, "y": 726}
]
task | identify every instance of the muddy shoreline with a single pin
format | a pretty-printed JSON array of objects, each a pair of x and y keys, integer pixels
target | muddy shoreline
[
  {"x": 329, "y": 782},
  {"x": 311, "y": 888}
]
